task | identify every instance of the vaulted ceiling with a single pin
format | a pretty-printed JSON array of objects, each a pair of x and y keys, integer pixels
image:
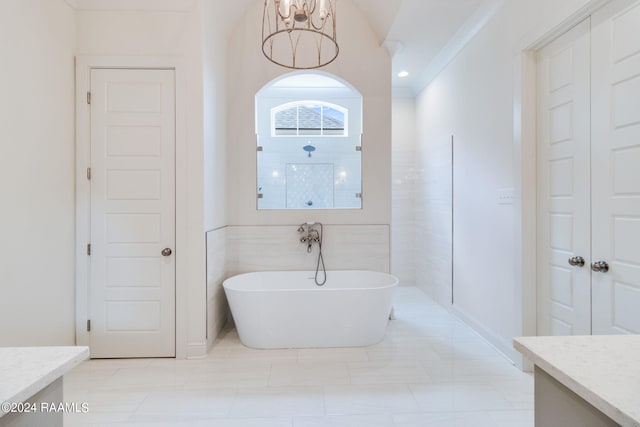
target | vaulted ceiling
[{"x": 414, "y": 31}]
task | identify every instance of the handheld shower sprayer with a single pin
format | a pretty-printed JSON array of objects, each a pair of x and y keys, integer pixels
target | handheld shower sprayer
[{"x": 314, "y": 236}]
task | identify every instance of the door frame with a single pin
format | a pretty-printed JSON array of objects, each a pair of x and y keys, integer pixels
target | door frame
[
  {"x": 525, "y": 122},
  {"x": 84, "y": 65}
]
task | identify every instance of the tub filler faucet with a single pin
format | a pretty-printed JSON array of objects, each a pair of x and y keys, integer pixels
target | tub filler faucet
[{"x": 314, "y": 236}]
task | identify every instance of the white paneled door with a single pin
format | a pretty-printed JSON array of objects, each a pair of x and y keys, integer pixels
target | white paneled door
[
  {"x": 616, "y": 168},
  {"x": 589, "y": 176},
  {"x": 563, "y": 182},
  {"x": 132, "y": 259}
]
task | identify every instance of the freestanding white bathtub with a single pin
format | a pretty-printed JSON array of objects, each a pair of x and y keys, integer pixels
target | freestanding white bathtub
[{"x": 286, "y": 309}]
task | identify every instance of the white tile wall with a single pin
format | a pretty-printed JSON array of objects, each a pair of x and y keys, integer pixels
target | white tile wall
[
  {"x": 434, "y": 219},
  {"x": 268, "y": 248},
  {"x": 403, "y": 194}
]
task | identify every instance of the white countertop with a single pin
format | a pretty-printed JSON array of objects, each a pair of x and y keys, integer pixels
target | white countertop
[
  {"x": 603, "y": 370},
  {"x": 24, "y": 371}
]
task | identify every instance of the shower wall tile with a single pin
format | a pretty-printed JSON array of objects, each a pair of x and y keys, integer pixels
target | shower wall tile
[
  {"x": 434, "y": 211},
  {"x": 216, "y": 300},
  {"x": 345, "y": 247},
  {"x": 403, "y": 194},
  {"x": 403, "y": 218}
]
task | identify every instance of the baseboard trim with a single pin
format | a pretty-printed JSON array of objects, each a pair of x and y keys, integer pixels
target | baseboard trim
[{"x": 197, "y": 350}]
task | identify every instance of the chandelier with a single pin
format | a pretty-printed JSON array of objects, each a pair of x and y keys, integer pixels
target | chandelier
[{"x": 299, "y": 34}]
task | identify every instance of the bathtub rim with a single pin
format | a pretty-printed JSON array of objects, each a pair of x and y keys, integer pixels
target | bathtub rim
[{"x": 316, "y": 288}]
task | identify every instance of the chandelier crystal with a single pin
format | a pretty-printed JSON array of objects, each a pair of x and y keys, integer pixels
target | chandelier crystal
[{"x": 300, "y": 34}]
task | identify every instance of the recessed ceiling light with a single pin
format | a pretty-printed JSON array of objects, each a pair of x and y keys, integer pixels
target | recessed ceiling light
[{"x": 403, "y": 73}]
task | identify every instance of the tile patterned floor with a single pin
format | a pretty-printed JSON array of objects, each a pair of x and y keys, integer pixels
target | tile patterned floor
[{"x": 431, "y": 370}]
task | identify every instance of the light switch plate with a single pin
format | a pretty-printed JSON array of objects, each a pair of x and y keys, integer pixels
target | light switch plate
[{"x": 505, "y": 196}]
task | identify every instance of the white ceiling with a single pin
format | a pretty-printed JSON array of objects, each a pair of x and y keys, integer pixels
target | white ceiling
[
  {"x": 423, "y": 27},
  {"x": 414, "y": 31}
]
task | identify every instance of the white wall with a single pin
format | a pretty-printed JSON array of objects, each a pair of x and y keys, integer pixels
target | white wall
[
  {"x": 473, "y": 100},
  {"x": 214, "y": 57},
  {"x": 404, "y": 228},
  {"x": 37, "y": 44},
  {"x": 362, "y": 63},
  {"x": 180, "y": 34}
]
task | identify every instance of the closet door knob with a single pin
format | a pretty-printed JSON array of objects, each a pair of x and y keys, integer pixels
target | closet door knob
[
  {"x": 600, "y": 266},
  {"x": 576, "y": 261},
  {"x": 166, "y": 252}
]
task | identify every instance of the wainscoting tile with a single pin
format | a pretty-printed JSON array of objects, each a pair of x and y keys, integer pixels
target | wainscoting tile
[{"x": 269, "y": 248}]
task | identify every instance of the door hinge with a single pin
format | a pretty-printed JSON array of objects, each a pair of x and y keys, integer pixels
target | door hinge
[
  {"x": 88, "y": 325},
  {"x": 88, "y": 248},
  {"x": 89, "y": 98},
  {"x": 89, "y": 174}
]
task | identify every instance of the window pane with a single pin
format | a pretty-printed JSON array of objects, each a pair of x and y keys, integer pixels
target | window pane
[
  {"x": 309, "y": 119},
  {"x": 332, "y": 121},
  {"x": 286, "y": 121}
]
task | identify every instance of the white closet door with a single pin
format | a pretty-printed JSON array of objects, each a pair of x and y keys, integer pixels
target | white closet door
[
  {"x": 132, "y": 278},
  {"x": 564, "y": 291},
  {"x": 616, "y": 167}
]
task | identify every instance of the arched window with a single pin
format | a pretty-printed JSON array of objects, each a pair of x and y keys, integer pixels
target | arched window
[
  {"x": 309, "y": 118},
  {"x": 308, "y": 137}
]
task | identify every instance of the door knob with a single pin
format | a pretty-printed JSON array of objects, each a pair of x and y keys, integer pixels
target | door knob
[
  {"x": 576, "y": 261},
  {"x": 166, "y": 252},
  {"x": 600, "y": 266}
]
